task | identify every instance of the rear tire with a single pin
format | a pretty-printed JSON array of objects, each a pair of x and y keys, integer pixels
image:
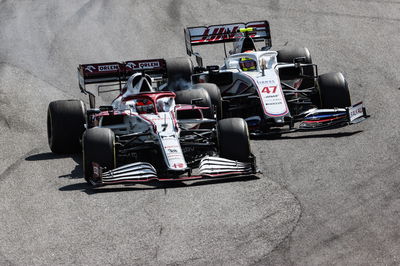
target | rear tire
[
  {"x": 215, "y": 96},
  {"x": 65, "y": 125},
  {"x": 99, "y": 147},
  {"x": 233, "y": 139},
  {"x": 334, "y": 91},
  {"x": 187, "y": 97},
  {"x": 179, "y": 72}
]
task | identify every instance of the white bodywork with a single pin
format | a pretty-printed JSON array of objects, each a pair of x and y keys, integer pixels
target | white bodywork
[
  {"x": 268, "y": 83},
  {"x": 250, "y": 76},
  {"x": 265, "y": 79},
  {"x": 162, "y": 126},
  {"x": 157, "y": 125},
  {"x": 161, "y": 122}
]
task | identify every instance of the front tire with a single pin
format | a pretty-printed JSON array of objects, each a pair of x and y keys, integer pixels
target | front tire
[
  {"x": 334, "y": 91},
  {"x": 215, "y": 96},
  {"x": 202, "y": 98},
  {"x": 233, "y": 139},
  {"x": 98, "y": 147},
  {"x": 287, "y": 55},
  {"x": 65, "y": 125}
]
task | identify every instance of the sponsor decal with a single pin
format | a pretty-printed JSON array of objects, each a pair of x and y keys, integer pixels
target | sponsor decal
[
  {"x": 264, "y": 82},
  {"x": 90, "y": 68},
  {"x": 218, "y": 33},
  {"x": 225, "y": 32},
  {"x": 105, "y": 68},
  {"x": 131, "y": 65},
  {"x": 356, "y": 111},
  {"x": 171, "y": 147},
  {"x": 143, "y": 65},
  {"x": 176, "y": 157}
]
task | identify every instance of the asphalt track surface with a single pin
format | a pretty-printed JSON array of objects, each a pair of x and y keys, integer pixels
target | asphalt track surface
[{"x": 324, "y": 198}]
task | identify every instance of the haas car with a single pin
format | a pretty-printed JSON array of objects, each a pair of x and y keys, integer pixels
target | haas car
[
  {"x": 147, "y": 134},
  {"x": 274, "y": 91}
]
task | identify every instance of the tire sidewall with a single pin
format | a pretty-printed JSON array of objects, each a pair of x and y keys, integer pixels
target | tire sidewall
[
  {"x": 98, "y": 145},
  {"x": 333, "y": 90},
  {"x": 233, "y": 139},
  {"x": 65, "y": 125}
]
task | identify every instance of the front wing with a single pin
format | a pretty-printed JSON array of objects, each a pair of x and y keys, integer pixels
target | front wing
[
  {"x": 321, "y": 119},
  {"x": 141, "y": 172}
]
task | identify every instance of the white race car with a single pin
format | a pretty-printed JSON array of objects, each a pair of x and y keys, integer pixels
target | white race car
[
  {"x": 271, "y": 89},
  {"x": 147, "y": 134}
]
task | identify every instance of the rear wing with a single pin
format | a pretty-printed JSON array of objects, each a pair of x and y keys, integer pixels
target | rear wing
[
  {"x": 224, "y": 33},
  {"x": 118, "y": 71}
]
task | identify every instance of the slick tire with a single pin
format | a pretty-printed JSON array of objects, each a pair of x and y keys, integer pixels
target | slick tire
[
  {"x": 287, "y": 55},
  {"x": 198, "y": 97},
  {"x": 98, "y": 147},
  {"x": 334, "y": 91},
  {"x": 65, "y": 125},
  {"x": 233, "y": 139},
  {"x": 215, "y": 96},
  {"x": 179, "y": 72}
]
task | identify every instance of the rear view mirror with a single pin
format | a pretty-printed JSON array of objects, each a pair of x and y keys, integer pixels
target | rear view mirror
[
  {"x": 300, "y": 60},
  {"x": 197, "y": 101},
  {"x": 263, "y": 65}
]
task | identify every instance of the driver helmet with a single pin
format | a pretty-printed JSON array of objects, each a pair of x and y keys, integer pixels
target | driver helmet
[
  {"x": 247, "y": 64},
  {"x": 144, "y": 106}
]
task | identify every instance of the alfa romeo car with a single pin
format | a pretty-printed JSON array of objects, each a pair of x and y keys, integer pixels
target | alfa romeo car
[{"x": 146, "y": 133}]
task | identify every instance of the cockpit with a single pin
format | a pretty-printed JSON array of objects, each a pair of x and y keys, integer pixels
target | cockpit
[
  {"x": 139, "y": 96},
  {"x": 151, "y": 103},
  {"x": 251, "y": 61}
]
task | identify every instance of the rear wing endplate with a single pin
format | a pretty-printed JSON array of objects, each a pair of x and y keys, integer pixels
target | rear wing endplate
[{"x": 224, "y": 33}]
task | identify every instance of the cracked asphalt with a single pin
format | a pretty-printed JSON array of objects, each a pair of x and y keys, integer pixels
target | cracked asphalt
[{"x": 324, "y": 198}]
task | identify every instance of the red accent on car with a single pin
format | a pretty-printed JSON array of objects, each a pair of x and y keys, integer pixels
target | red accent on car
[{"x": 324, "y": 120}]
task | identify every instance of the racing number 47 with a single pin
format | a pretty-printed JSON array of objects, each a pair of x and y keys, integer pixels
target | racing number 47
[{"x": 270, "y": 89}]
